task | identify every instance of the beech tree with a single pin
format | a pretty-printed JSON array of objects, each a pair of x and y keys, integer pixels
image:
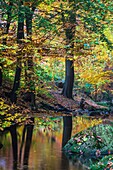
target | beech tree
[
  {"x": 94, "y": 16},
  {"x": 67, "y": 15},
  {"x": 29, "y": 11},
  {"x": 20, "y": 36},
  {"x": 69, "y": 23}
]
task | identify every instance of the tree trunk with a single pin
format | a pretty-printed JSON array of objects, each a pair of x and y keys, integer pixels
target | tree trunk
[
  {"x": 20, "y": 35},
  {"x": 69, "y": 26},
  {"x": 16, "y": 84},
  {"x": 31, "y": 82},
  {"x": 20, "y": 29},
  {"x": 69, "y": 79},
  {"x": 29, "y": 15}
]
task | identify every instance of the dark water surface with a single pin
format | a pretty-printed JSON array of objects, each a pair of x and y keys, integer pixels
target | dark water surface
[{"x": 38, "y": 145}]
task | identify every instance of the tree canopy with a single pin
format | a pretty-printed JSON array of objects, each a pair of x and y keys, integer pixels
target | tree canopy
[{"x": 44, "y": 41}]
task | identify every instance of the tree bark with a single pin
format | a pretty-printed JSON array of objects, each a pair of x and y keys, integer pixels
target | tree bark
[
  {"x": 20, "y": 29},
  {"x": 16, "y": 84},
  {"x": 69, "y": 79},
  {"x": 20, "y": 35},
  {"x": 69, "y": 26},
  {"x": 29, "y": 15}
]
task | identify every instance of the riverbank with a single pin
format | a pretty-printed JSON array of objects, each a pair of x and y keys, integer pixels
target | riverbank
[{"x": 50, "y": 103}]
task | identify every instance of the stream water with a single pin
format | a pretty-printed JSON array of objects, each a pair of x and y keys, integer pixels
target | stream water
[{"x": 37, "y": 145}]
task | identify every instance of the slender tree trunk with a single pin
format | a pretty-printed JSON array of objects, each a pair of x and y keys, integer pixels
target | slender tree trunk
[
  {"x": 20, "y": 30},
  {"x": 29, "y": 15},
  {"x": 31, "y": 83},
  {"x": 20, "y": 35},
  {"x": 16, "y": 84}
]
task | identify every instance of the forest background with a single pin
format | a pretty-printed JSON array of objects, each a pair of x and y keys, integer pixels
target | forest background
[{"x": 46, "y": 43}]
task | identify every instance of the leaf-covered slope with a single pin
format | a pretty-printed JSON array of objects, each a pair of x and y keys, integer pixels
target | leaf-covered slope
[{"x": 91, "y": 145}]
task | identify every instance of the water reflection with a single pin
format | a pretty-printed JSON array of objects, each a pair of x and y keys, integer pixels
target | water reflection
[
  {"x": 37, "y": 146},
  {"x": 13, "y": 133},
  {"x": 64, "y": 162},
  {"x": 67, "y": 129},
  {"x": 1, "y": 145},
  {"x": 28, "y": 131}
]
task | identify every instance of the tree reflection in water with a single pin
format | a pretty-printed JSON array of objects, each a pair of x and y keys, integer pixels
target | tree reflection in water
[
  {"x": 67, "y": 129},
  {"x": 26, "y": 139},
  {"x": 13, "y": 133},
  {"x": 1, "y": 145},
  {"x": 29, "y": 129},
  {"x": 40, "y": 147}
]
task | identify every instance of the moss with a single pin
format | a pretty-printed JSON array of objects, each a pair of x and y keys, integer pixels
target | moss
[{"x": 91, "y": 145}]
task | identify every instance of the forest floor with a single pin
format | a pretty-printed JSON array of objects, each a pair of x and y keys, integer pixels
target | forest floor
[{"x": 53, "y": 104}]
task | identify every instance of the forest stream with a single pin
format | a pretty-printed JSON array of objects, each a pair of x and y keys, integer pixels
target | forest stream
[{"x": 37, "y": 145}]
